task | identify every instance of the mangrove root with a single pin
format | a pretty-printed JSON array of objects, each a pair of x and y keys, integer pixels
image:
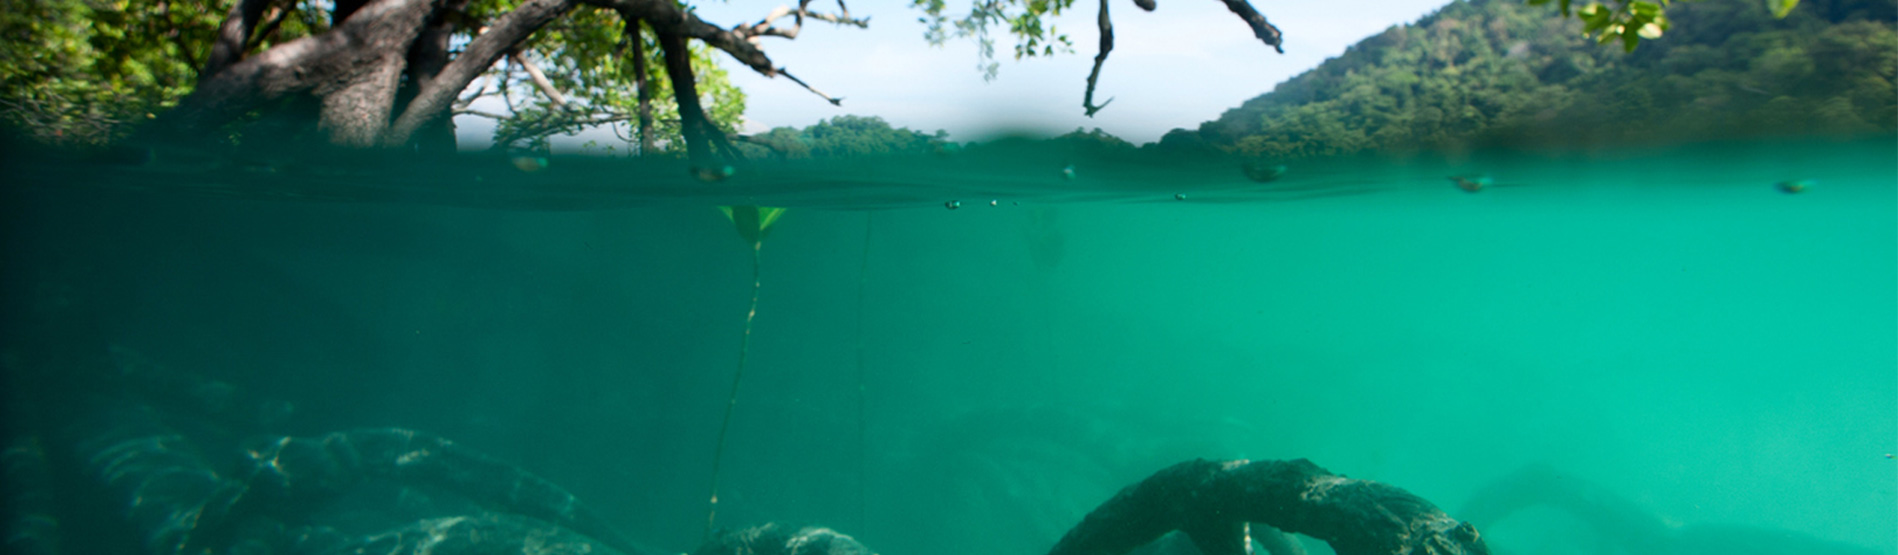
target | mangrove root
[
  {"x": 1212, "y": 501},
  {"x": 780, "y": 539}
]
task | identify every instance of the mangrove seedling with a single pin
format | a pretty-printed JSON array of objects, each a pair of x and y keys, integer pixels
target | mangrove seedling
[{"x": 753, "y": 223}]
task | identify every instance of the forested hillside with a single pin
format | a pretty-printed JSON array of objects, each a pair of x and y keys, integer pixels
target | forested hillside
[{"x": 1485, "y": 72}]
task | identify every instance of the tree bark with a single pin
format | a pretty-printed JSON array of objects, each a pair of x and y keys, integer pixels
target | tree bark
[
  {"x": 344, "y": 9},
  {"x": 359, "y": 60},
  {"x": 1211, "y": 502}
]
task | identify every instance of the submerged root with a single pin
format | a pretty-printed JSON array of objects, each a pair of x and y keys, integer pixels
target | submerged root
[
  {"x": 781, "y": 539},
  {"x": 1212, "y": 502}
]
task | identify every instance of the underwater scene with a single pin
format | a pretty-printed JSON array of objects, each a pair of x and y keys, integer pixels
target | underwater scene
[{"x": 1657, "y": 350}]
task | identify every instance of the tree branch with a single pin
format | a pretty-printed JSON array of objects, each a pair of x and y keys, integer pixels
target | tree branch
[
  {"x": 540, "y": 80},
  {"x": 233, "y": 36},
  {"x": 272, "y": 22},
  {"x": 479, "y": 113},
  {"x": 1260, "y": 27},
  {"x": 1212, "y": 502},
  {"x": 767, "y": 27},
  {"x": 323, "y": 63},
  {"x": 480, "y": 54},
  {"x": 833, "y": 101},
  {"x": 665, "y": 17}
]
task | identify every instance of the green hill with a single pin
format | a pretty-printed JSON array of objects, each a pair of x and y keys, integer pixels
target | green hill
[{"x": 1486, "y": 72}]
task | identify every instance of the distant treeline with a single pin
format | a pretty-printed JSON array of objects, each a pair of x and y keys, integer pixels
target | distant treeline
[{"x": 1500, "y": 72}]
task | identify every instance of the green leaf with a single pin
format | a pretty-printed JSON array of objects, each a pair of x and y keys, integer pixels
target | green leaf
[
  {"x": 1651, "y": 31},
  {"x": 753, "y": 222},
  {"x": 1781, "y": 7}
]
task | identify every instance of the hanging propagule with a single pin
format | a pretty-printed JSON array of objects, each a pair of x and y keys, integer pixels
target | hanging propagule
[
  {"x": 731, "y": 401},
  {"x": 863, "y": 467}
]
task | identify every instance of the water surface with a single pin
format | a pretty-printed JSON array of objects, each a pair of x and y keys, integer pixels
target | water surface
[{"x": 1666, "y": 324}]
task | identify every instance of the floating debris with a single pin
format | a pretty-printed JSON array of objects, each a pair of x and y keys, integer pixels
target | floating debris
[
  {"x": 1179, "y": 196},
  {"x": 952, "y": 205},
  {"x": 1794, "y": 187},
  {"x": 1262, "y": 172},
  {"x": 529, "y": 164},
  {"x": 713, "y": 174},
  {"x": 995, "y": 203},
  {"x": 1471, "y": 183},
  {"x": 1067, "y": 172}
]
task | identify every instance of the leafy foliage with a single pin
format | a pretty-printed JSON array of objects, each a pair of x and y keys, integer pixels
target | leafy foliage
[
  {"x": 845, "y": 136},
  {"x": 83, "y": 72},
  {"x": 86, "y": 72},
  {"x": 1499, "y": 72},
  {"x": 1024, "y": 19},
  {"x": 587, "y": 58}
]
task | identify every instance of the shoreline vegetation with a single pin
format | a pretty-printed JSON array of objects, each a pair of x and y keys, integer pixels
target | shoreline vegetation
[
  {"x": 1474, "y": 75},
  {"x": 1500, "y": 74}
]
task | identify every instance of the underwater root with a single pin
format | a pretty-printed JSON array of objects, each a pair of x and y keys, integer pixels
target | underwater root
[
  {"x": 1213, "y": 501},
  {"x": 782, "y": 539}
]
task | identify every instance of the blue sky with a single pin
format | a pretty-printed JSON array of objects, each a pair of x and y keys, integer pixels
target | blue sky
[{"x": 1182, "y": 64}]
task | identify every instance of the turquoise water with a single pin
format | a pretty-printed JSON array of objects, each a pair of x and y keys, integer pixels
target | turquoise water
[{"x": 1665, "y": 326}]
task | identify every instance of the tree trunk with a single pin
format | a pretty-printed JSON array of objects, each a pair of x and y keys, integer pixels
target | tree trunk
[{"x": 356, "y": 114}]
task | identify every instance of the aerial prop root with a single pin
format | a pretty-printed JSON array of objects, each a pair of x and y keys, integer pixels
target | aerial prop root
[{"x": 1264, "y": 30}]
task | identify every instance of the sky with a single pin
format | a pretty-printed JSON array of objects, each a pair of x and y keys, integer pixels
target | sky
[{"x": 1182, "y": 64}]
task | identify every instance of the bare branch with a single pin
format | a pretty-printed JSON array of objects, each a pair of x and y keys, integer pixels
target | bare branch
[
  {"x": 489, "y": 115},
  {"x": 1260, "y": 27},
  {"x": 1107, "y": 45},
  {"x": 540, "y": 81},
  {"x": 768, "y": 27},
  {"x": 833, "y": 101},
  {"x": 464, "y": 101}
]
